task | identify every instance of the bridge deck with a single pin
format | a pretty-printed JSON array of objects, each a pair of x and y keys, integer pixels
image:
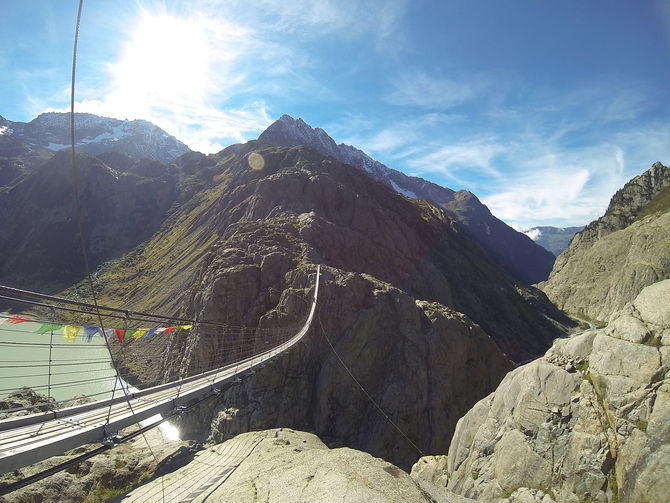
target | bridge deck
[{"x": 27, "y": 439}]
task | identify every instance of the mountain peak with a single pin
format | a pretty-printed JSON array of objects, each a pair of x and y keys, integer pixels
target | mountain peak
[
  {"x": 290, "y": 132},
  {"x": 521, "y": 257},
  {"x": 96, "y": 134}
]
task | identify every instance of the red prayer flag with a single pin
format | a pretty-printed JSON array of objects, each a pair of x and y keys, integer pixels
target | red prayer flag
[
  {"x": 169, "y": 329},
  {"x": 120, "y": 333},
  {"x": 16, "y": 319}
]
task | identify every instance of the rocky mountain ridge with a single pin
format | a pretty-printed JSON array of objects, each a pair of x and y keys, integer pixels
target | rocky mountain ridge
[
  {"x": 623, "y": 209},
  {"x": 94, "y": 135},
  {"x": 616, "y": 256},
  {"x": 512, "y": 250}
]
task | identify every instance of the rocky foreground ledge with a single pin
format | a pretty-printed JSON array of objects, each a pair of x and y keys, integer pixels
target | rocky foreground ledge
[
  {"x": 287, "y": 466},
  {"x": 588, "y": 422}
]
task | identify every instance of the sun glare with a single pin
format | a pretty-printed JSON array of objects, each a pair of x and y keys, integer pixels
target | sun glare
[{"x": 167, "y": 59}]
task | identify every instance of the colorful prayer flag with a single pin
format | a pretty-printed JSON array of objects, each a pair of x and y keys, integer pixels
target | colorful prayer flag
[
  {"x": 140, "y": 332},
  {"x": 70, "y": 332},
  {"x": 130, "y": 332},
  {"x": 169, "y": 329},
  {"x": 48, "y": 327},
  {"x": 90, "y": 332},
  {"x": 120, "y": 334},
  {"x": 107, "y": 333},
  {"x": 15, "y": 319},
  {"x": 150, "y": 331},
  {"x": 186, "y": 327}
]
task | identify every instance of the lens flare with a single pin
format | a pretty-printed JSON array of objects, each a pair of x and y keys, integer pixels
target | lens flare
[{"x": 256, "y": 161}]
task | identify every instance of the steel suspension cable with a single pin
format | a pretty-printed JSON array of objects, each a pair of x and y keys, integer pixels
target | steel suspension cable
[
  {"x": 365, "y": 392},
  {"x": 80, "y": 225}
]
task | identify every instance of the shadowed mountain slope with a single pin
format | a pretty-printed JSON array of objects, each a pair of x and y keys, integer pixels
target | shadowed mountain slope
[{"x": 39, "y": 233}]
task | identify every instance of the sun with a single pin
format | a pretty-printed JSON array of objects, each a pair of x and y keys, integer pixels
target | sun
[{"x": 167, "y": 59}]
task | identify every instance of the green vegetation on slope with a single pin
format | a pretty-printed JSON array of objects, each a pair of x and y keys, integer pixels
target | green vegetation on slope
[{"x": 659, "y": 204}]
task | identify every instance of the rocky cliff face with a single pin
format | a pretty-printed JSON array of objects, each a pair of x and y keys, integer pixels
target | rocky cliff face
[
  {"x": 615, "y": 257},
  {"x": 16, "y": 156},
  {"x": 516, "y": 253},
  {"x": 119, "y": 210},
  {"x": 587, "y": 422}
]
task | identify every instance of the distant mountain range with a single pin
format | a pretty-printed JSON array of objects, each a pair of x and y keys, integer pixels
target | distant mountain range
[
  {"x": 515, "y": 252},
  {"x": 553, "y": 239},
  {"x": 50, "y": 132}
]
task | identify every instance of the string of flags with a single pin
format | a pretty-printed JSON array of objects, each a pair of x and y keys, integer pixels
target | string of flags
[{"x": 71, "y": 332}]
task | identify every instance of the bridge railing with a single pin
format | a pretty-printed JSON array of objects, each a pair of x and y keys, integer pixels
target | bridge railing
[{"x": 55, "y": 354}]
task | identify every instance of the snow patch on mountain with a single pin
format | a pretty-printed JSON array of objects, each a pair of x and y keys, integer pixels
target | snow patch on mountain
[
  {"x": 5, "y": 129},
  {"x": 95, "y": 135}
]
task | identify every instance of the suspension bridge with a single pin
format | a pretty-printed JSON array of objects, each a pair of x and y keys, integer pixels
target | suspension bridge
[{"x": 59, "y": 426}]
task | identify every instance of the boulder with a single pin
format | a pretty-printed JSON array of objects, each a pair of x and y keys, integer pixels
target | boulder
[
  {"x": 589, "y": 421},
  {"x": 285, "y": 466}
]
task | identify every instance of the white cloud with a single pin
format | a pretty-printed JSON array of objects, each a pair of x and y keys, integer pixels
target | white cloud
[
  {"x": 557, "y": 186},
  {"x": 396, "y": 140},
  {"x": 476, "y": 154},
  {"x": 534, "y": 234},
  {"x": 309, "y": 19}
]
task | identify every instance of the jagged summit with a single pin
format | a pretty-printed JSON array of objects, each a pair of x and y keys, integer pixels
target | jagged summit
[
  {"x": 286, "y": 131},
  {"x": 515, "y": 252}
]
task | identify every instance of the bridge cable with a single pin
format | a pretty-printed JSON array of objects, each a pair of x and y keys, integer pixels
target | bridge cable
[
  {"x": 6, "y": 489},
  {"x": 372, "y": 400},
  {"x": 80, "y": 225}
]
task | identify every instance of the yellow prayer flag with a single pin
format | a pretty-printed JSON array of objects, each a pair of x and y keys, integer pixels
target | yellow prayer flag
[
  {"x": 186, "y": 327},
  {"x": 140, "y": 332},
  {"x": 70, "y": 332}
]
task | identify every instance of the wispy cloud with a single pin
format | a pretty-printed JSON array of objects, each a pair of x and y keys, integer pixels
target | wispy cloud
[
  {"x": 205, "y": 70},
  {"x": 435, "y": 93},
  {"x": 542, "y": 161},
  {"x": 396, "y": 139},
  {"x": 476, "y": 154},
  {"x": 309, "y": 19}
]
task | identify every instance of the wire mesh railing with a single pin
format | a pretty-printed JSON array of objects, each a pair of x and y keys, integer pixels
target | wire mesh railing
[{"x": 54, "y": 354}]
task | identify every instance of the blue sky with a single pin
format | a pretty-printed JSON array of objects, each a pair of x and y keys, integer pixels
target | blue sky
[{"x": 543, "y": 109}]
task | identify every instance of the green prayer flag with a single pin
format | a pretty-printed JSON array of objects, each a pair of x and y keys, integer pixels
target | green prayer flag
[{"x": 48, "y": 327}]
